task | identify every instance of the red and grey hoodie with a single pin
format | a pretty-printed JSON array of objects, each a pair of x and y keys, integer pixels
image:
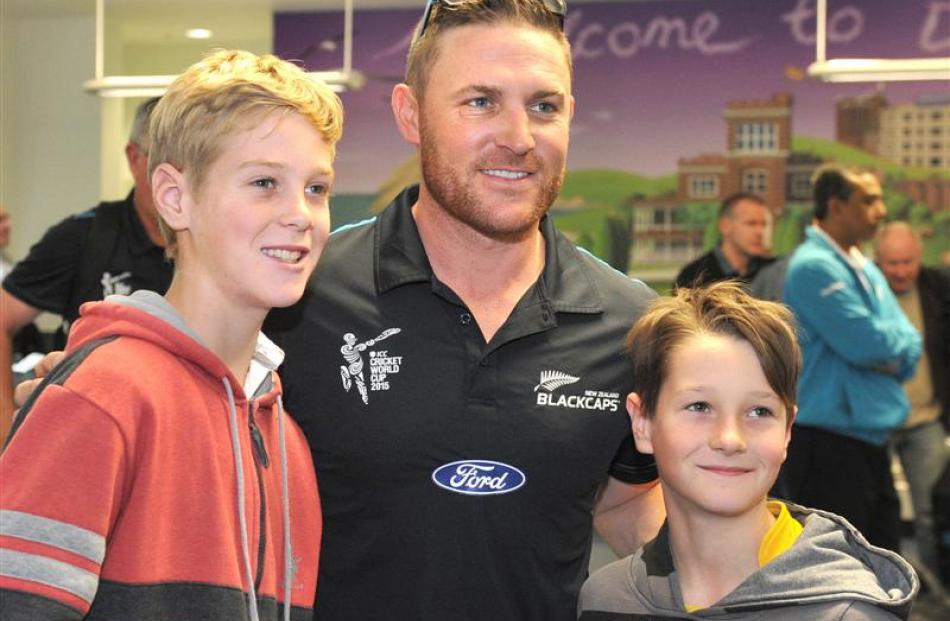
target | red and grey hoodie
[{"x": 142, "y": 482}]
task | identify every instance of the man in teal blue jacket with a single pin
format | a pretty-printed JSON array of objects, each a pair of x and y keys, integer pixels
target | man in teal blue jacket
[{"x": 858, "y": 347}]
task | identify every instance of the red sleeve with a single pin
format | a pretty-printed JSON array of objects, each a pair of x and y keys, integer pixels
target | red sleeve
[{"x": 63, "y": 475}]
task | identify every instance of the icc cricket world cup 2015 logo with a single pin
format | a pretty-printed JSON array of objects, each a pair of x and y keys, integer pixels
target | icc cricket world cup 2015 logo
[{"x": 352, "y": 371}]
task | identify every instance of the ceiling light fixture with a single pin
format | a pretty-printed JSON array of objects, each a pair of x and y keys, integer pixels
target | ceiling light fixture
[
  {"x": 869, "y": 69},
  {"x": 198, "y": 33},
  {"x": 339, "y": 80}
]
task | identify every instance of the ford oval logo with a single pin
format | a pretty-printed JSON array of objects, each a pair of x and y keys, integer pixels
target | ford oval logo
[{"x": 478, "y": 477}]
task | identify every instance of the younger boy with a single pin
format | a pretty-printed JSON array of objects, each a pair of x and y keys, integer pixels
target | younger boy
[
  {"x": 155, "y": 476},
  {"x": 714, "y": 398}
]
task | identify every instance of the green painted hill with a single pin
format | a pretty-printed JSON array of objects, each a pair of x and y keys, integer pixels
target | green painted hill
[
  {"x": 610, "y": 188},
  {"x": 831, "y": 150}
]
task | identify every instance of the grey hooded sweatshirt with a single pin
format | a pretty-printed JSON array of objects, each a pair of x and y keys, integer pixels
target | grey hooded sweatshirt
[{"x": 831, "y": 572}]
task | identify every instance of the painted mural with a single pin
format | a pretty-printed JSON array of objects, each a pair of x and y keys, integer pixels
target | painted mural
[{"x": 680, "y": 102}]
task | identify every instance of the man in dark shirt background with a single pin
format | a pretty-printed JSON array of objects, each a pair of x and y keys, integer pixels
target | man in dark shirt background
[
  {"x": 114, "y": 248},
  {"x": 742, "y": 249}
]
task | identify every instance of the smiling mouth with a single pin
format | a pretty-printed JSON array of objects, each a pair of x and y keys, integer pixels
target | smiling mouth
[
  {"x": 726, "y": 470},
  {"x": 284, "y": 256},
  {"x": 506, "y": 174}
]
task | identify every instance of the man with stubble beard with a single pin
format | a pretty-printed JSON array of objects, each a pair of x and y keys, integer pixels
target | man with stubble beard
[{"x": 492, "y": 433}]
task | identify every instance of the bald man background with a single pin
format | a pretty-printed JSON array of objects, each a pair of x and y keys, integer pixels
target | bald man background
[{"x": 924, "y": 295}]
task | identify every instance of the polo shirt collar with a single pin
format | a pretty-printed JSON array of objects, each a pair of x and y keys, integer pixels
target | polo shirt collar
[
  {"x": 401, "y": 259},
  {"x": 853, "y": 256}
]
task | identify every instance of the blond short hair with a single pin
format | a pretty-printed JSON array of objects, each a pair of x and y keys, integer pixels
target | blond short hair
[{"x": 226, "y": 93}]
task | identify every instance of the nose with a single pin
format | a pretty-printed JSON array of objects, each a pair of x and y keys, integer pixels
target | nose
[
  {"x": 880, "y": 209},
  {"x": 726, "y": 436},
  {"x": 298, "y": 213},
  {"x": 515, "y": 134}
]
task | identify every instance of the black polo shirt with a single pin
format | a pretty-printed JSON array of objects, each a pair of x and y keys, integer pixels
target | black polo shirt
[
  {"x": 48, "y": 277},
  {"x": 714, "y": 267},
  {"x": 457, "y": 477}
]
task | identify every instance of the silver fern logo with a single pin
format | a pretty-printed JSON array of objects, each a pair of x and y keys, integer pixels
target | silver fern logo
[
  {"x": 597, "y": 400},
  {"x": 552, "y": 380}
]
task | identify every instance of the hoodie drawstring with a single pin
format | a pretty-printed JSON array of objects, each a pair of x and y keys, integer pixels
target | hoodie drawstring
[
  {"x": 239, "y": 467},
  {"x": 285, "y": 502}
]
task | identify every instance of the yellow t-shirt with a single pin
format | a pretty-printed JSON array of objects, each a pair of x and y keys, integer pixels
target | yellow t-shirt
[
  {"x": 783, "y": 534},
  {"x": 778, "y": 539}
]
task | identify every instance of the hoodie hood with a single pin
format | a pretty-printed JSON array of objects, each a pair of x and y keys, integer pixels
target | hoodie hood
[
  {"x": 830, "y": 572},
  {"x": 148, "y": 316},
  {"x": 830, "y": 562}
]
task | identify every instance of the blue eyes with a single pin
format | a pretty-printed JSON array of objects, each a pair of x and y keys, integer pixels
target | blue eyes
[
  {"x": 542, "y": 107},
  {"x": 758, "y": 411},
  {"x": 269, "y": 183}
]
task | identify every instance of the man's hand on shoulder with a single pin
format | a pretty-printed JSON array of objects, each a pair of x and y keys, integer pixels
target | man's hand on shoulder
[
  {"x": 627, "y": 515},
  {"x": 24, "y": 389}
]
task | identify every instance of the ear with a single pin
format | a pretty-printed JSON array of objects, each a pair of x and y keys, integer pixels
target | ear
[
  {"x": 788, "y": 429},
  {"x": 640, "y": 423},
  {"x": 406, "y": 112},
  {"x": 170, "y": 194},
  {"x": 571, "y": 113},
  {"x": 834, "y": 205},
  {"x": 724, "y": 224},
  {"x": 132, "y": 153}
]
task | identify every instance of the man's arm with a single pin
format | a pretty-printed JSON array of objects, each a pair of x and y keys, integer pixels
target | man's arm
[
  {"x": 627, "y": 515},
  {"x": 830, "y": 304},
  {"x": 14, "y": 314}
]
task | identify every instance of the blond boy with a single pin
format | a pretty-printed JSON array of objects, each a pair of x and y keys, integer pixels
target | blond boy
[
  {"x": 155, "y": 475},
  {"x": 714, "y": 399}
]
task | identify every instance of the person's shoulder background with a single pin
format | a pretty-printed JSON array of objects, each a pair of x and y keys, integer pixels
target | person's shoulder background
[{"x": 45, "y": 274}]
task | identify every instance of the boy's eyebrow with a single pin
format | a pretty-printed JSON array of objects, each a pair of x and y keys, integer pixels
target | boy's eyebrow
[
  {"x": 705, "y": 388},
  {"x": 695, "y": 388},
  {"x": 281, "y": 165}
]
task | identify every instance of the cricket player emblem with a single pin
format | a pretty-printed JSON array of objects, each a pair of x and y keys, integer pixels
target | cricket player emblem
[{"x": 381, "y": 364}]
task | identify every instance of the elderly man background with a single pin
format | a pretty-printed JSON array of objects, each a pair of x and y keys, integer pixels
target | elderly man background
[{"x": 924, "y": 295}]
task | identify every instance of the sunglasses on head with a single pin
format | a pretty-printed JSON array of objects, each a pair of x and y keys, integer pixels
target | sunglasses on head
[{"x": 557, "y": 7}]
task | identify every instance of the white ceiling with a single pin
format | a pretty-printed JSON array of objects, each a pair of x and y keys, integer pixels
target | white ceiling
[
  {"x": 152, "y": 29},
  {"x": 48, "y": 8}
]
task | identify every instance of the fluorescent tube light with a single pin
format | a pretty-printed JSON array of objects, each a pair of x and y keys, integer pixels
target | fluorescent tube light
[
  {"x": 154, "y": 85},
  {"x": 198, "y": 33},
  {"x": 880, "y": 69}
]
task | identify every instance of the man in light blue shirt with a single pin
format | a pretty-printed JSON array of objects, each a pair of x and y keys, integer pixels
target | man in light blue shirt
[{"x": 858, "y": 347}]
